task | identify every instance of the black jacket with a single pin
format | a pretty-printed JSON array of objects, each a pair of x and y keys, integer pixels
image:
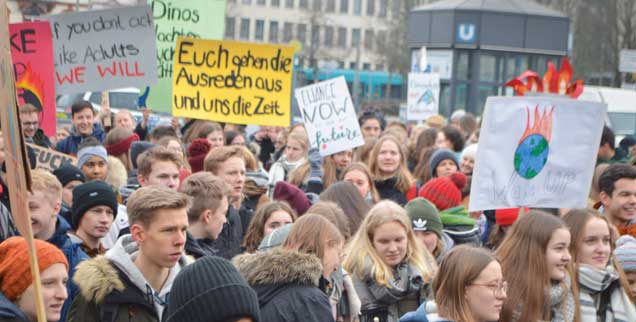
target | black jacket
[
  {"x": 388, "y": 190},
  {"x": 194, "y": 249},
  {"x": 228, "y": 244},
  {"x": 40, "y": 139},
  {"x": 286, "y": 282}
]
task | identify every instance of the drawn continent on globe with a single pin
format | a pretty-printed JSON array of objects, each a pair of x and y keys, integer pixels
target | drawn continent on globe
[{"x": 531, "y": 155}]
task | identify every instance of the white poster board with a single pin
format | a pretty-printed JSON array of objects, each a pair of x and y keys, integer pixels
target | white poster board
[
  {"x": 536, "y": 152},
  {"x": 329, "y": 116},
  {"x": 423, "y": 96},
  {"x": 104, "y": 49}
]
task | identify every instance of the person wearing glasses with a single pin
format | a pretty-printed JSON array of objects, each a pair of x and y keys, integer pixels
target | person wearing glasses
[
  {"x": 604, "y": 291},
  {"x": 472, "y": 288},
  {"x": 31, "y": 126}
]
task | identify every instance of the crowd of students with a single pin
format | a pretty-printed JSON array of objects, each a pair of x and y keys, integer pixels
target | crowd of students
[{"x": 206, "y": 222}]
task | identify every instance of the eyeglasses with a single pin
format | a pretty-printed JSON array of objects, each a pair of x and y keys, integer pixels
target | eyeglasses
[{"x": 498, "y": 289}]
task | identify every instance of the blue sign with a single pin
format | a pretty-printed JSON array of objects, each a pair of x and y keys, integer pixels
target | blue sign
[{"x": 466, "y": 33}]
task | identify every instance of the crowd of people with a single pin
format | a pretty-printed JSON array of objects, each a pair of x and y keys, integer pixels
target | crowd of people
[{"x": 204, "y": 221}]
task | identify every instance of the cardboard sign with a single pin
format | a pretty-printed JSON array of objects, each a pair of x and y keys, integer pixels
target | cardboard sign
[
  {"x": 423, "y": 96},
  {"x": 104, "y": 49},
  {"x": 233, "y": 82},
  {"x": 329, "y": 116},
  {"x": 191, "y": 18},
  {"x": 531, "y": 155},
  {"x": 49, "y": 159},
  {"x": 32, "y": 56}
]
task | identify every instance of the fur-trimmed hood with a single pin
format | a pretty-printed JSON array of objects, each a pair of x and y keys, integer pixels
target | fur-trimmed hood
[
  {"x": 279, "y": 266},
  {"x": 97, "y": 278}
]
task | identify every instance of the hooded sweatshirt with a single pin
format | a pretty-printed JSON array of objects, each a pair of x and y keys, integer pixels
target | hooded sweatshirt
[{"x": 10, "y": 312}]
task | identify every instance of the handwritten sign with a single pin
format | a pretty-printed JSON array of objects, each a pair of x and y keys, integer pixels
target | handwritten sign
[
  {"x": 530, "y": 155},
  {"x": 104, "y": 49},
  {"x": 234, "y": 82},
  {"x": 329, "y": 116},
  {"x": 192, "y": 18},
  {"x": 423, "y": 96},
  {"x": 49, "y": 159},
  {"x": 32, "y": 56}
]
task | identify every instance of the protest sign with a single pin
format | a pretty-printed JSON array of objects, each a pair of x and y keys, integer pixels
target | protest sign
[
  {"x": 32, "y": 56},
  {"x": 530, "y": 155},
  {"x": 104, "y": 49},
  {"x": 191, "y": 18},
  {"x": 423, "y": 96},
  {"x": 15, "y": 156},
  {"x": 233, "y": 82},
  {"x": 49, "y": 159},
  {"x": 329, "y": 116}
]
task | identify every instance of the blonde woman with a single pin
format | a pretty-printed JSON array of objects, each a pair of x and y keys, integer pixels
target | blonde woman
[
  {"x": 391, "y": 175},
  {"x": 390, "y": 270},
  {"x": 295, "y": 154}
]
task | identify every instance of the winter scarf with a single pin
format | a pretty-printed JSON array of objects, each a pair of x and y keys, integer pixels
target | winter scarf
[
  {"x": 281, "y": 169},
  {"x": 601, "y": 296},
  {"x": 562, "y": 304},
  {"x": 405, "y": 281}
]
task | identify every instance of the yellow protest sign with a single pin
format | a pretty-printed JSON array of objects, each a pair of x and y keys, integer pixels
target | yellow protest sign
[{"x": 234, "y": 82}]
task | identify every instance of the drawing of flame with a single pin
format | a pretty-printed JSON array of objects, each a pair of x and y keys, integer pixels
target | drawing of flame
[
  {"x": 30, "y": 82},
  {"x": 542, "y": 124}
]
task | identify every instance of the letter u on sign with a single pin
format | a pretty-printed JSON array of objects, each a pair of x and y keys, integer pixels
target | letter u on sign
[{"x": 466, "y": 33}]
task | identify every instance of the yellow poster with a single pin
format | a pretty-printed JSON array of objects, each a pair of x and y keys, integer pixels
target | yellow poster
[{"x": 233, "y": 82}]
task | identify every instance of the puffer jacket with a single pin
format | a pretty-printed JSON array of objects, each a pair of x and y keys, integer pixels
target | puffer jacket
[
  {"x": 70, "y": 145},
  {"x": 286, "y": 283},
  {"x": 112, "y": 289}
]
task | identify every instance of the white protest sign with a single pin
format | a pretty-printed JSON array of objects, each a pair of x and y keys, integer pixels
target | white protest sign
[
  {"x": 536, "y": 152},
  {"x": 423, "y": 96},
  {"x": 104, "y": 49},
  {"x": 329, "y": 116}
]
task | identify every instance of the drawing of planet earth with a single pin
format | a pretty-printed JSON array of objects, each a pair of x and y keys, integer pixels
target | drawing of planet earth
[{"x": 531, "y": 156}]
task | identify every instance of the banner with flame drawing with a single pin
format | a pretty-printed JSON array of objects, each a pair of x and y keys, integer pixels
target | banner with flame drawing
[
  {"x": 32, "y": 55},
  {"x": 536, "y": 152}
]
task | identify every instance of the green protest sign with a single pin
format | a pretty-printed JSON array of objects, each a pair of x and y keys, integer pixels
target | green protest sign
[{"x": 188, "y": 18}]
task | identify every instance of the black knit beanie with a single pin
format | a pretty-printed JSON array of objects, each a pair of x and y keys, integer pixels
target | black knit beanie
[
  {"x": 89, "y": 195},
  {"x": 67, "y": 173},
  {"x": 210, "y": 290}
]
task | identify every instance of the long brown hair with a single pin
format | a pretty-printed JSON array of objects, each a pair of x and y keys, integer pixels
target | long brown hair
[
  {"x": 347, "y": 197},
  {"x": 460, "y": 267},
  {"x": 404, "y": 178},
  {"x": 522, "y": 255},
  {"x": 576, "y": 220},
  {"x": 254, "y": 234},
  {"x": 359, "y": 166},
  {"x": 422, "y": 170},
  {"x": 311, "y": 234},
  {"x": 334, "y": 214},
  {"x": 299, "y": 176}
]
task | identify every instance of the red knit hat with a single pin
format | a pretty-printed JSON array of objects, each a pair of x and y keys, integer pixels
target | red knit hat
[
  {"x": 444, "y": 192},
  {"x": 122, "y": 146},
  {"x": 15, "y": 270},
  {"x": 296, "y": 198},
  {"x": 197, "y": 150},
  {"x": 508, "y": 216}
]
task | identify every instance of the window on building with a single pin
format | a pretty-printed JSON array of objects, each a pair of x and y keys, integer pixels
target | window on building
[
  {"x": 303, "y": 4},
  {"x": 315, "y": 35},
  {"x": 260, "y": 29},
  {"x": 352, "y": 65},
  {"x": 302, "y": 33},
  {"x": 379, "y": 67},
  {"x": 344, "y": 6},
  {"x": 230, "y": 27},
  {"x": 275, "y": 3},
  {"x": 368, "y": 39},
  {"x": 331, "y": 6},
  {"x": 342, "y": 37},
  {"x": 289, "y": 4},
  {"x": 273, "y": 31},
  {"x": 341, "y": 64},
  {"x": 370, "y": 7},
  {"x": 288, "y": 34},
  {"x": 317, "y": 5},
  {"x": 384, "y": 6},
  {"x": 260, "y": 2},
  {"x": 380, "y": 38},
  {"x": 395, "y": 8},
  {"x": 247, "y": 2},
  {"x": 366, "y": 66},
  {"x": 245, "y": 28},
  {"x": 355, "y": 37},
  {"x": 357, "y": 7},
  {"x": 328, "y": 36},
  {"x": 301, "y": 61}
]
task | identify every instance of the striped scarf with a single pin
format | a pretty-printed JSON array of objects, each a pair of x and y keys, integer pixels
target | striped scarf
[{"x": 601, "y": 296}]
